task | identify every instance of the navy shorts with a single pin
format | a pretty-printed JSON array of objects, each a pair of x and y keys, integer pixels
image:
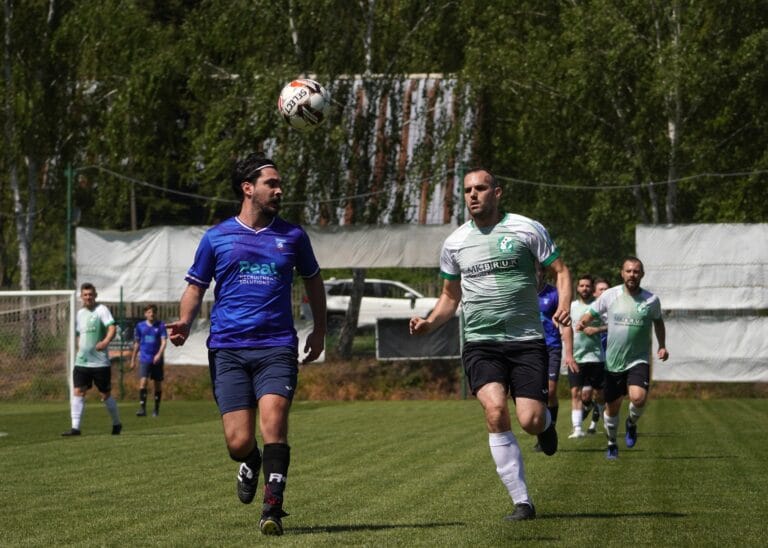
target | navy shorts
[
  {"x": 85, "y": 377},
  {"x": 616, "y": 383},
  {"x": 590, "y": 374},
  {"x": 520, "y": 366},
  {"x": 152, "y": 370},
  {"x": 240, "y": 376},
  {"x": 554, "y": 359}
]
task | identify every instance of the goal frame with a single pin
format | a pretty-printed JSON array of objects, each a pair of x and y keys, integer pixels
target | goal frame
[{"x": 71, "y": 344}]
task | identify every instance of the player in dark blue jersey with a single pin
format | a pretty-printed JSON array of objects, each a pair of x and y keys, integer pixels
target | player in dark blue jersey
[
  {"x": 253, "y": 347},
  {"x": 149, "y": 340},
  {"x": 557, "y": 341}
]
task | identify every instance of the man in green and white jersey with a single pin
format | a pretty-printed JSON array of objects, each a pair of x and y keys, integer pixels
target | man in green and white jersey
[
  {"x": 489, "y": 266},
  {"x": 630, "y": 312},
  {"x": 95, "y": 329},
  {"x": 589, "y": 355}
]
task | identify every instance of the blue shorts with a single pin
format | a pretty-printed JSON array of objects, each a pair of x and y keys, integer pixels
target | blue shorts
[
  {"x": 151, "y": 370},
  {"x": 554, "y": 358},
  {"x": 241, "y": 376}
]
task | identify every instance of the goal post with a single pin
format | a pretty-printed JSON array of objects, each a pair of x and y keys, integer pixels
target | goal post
[{"x": 37, "y": 344}]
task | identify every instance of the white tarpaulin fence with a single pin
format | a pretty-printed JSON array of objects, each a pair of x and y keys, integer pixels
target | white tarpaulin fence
[
  {"x": 712, "y": 280},
  {"x": 149, "y": 265}
]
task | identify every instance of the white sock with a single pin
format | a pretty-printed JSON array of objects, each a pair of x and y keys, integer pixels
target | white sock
[
  {"x": 509, "y": 465},
  {"x": 76, "y": 410},
  {"x": 635, "y": 413},
  {"x": 111, "y": 406},
  {"x": 611, "y": 425},
  {"x": 576, "y": 419}
]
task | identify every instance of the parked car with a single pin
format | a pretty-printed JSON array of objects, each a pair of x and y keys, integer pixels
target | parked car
[{"x": 381, "y": 299}]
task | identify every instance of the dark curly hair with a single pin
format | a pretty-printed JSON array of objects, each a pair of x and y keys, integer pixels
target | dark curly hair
[{"x": 248, "y": 169}]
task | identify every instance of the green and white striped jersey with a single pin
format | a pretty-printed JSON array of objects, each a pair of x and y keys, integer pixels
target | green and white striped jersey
[
  {"x": 497, "y": 268},
  {"x": 91, "y": 328},
  {"x": 630, "y": 321}
]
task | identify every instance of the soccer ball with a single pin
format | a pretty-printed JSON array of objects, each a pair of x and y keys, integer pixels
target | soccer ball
[{"x": 304, "y": 103}]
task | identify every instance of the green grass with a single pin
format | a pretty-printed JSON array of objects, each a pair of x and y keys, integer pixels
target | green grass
[{"x": 408, "y": 473}]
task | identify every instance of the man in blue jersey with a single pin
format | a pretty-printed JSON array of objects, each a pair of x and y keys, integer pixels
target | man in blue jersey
[
  {"x": 489, "y": 266},
  {"x": 95, "y": 330},
  {"x": 253, "y": 347},
  {"x": 556, "y": 339},
  {"x": 631, "y": 312},
  {"x": 149, "y": 340}
]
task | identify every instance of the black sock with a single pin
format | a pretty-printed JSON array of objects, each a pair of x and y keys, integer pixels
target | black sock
[
  {"x": 252, "y": 459},
  {"x": 277, "y": 457},
  {"x": 553, "y": 411},
  {"x": 158, "y": 397},
  {"x": 143, "y": 397}
]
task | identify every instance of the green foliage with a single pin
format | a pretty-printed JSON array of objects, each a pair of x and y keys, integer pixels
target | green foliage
[
  {"x": 571, "y": 94},
  {"x": 385, "y": 474}
]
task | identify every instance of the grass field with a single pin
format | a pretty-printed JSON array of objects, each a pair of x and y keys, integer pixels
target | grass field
[{"x": 408, "y": 473}]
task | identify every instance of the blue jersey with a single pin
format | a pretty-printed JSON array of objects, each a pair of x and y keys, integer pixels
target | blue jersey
[
  {"x": 149, "y": 338},
  {"x": 547, "y": 306},
  {"x": 253, "y": 270}
]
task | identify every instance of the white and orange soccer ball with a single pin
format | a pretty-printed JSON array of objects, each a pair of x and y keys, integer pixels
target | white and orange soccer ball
[{"x": 304, "y": 103}]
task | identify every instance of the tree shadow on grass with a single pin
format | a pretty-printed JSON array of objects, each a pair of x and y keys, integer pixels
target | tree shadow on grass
[
  {"x": 612, "y": 515},
  {"x": 369, "y": 527}
]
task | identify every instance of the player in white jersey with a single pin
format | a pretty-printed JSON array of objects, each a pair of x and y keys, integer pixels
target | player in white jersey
[
  {"x": 588, "y": 352},
  {"x": 630, "y": 311},
  {"x": 489, "y": 266},
  {"x": 95, "y": 329}
]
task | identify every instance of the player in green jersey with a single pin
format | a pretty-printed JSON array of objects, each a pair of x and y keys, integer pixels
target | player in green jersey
[
  {"x": 95, "y": 329},
  {"x": 630, "y": 312},
  {"x": 489, "y": 266}
]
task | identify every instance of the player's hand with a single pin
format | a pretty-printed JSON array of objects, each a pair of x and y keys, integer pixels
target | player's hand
[
  {"x": 178, "y": 332},
  {"x": 418, "y": 326},
  {"x": 573, "y": 367},
  {"x": 314, "y": 346},
  {"x": 132, "y": 366},
  {"x": 589, "y": 331},
  {"x": 663, "y": 354},
  {"x": 562, "y": 316}
]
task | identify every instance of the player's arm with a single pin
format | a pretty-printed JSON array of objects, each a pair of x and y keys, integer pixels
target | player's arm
[
  {"x": 189, "y": 306},
  {"x": 566, "y": 334},
  {"x": 161, "y": 350},
  {"x": 564, "y": 286},
  {"x": 444, "y": 310},
  {"x": 316, "y": 295},
  {"x": 661, "y": 337},
  {"x": 134, "y": 354},
  {"x": 104, "y": 343},
  {"x": 590, "y": 330}
]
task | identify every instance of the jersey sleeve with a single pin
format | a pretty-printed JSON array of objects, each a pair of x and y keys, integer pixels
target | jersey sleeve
[
  {"x": 541, "y": 245},
  {"x": 105, "y": 315},
  {"x": 204, "y": 266},
  {"x": 655, "y": 308},
  {"x": 449, "y": 266},
  {"x": 163, "y": 331},
  {"x": 306, "y": 262}
]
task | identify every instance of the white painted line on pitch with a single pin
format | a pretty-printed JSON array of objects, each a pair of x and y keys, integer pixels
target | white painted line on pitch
[{"x": 3, "y": 434}]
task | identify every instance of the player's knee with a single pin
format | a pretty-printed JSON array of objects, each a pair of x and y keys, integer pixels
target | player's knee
[{"x": 497, "y": 419}]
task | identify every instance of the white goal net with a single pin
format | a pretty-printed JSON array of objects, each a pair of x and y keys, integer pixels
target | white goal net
[{"x": 37, "y": 344}]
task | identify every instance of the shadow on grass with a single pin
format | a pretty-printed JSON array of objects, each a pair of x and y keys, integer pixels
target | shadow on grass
[
  {"x": 613, "y": 515},
  {"x": 369, "y": 527}
]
